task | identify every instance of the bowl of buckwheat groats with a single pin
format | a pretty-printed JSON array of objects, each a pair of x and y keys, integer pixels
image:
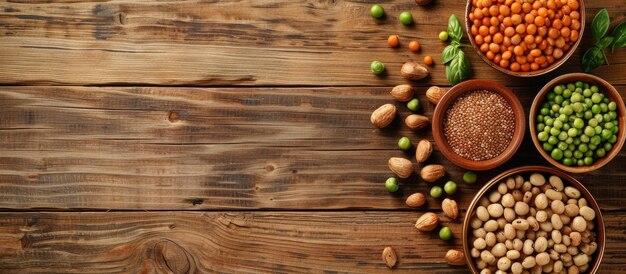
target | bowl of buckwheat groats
[
  {"x": 478, "y": 124},
  {"x": 533, "y": 219}
]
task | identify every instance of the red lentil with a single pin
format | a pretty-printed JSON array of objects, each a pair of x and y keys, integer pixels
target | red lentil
[{"x": 479, "y": 125}]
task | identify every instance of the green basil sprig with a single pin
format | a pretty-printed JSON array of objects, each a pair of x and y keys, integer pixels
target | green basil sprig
[
  {"x": 457, "y": 64},
  {"x": 595, "y": 56}
]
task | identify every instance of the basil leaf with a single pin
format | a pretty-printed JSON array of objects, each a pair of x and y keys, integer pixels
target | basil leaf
[
  {"x": 600, "y": 24},
  {"x": 605, "y": 42},
  {"x": 619, "y": 36},
  {"x": 459, "y": 69},
  {"x": 593, "y": 58},
  {"x": 455, "y": 29},
  {"x": 449, "y": 53}
]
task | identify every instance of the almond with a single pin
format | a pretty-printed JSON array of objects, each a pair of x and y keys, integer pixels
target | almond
[
  {"x": 402, "y": 93},
  {"x": 423, "y": 151},
  {"x": 383, "y": 116},
  {"x": 389, "y": 257},
  {"x": 400, "y": 166},
  {"x": 413, "y": 71},
  {"x": 450, "y": 208},
  {"x": 432, "y": 173},
  {"x": 434, "y": 94},
  {"x": 416, "y": 121},
  {"x": 416, "y": 200},
  {"x": 455, "y": 257},
  {"x": 427, "y": 222}
]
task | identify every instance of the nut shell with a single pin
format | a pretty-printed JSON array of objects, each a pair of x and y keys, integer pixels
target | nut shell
[
  {"x": 389, "y": 257},
  {"x": 450, "y": 208},
  {"x": 434, "y": 94},
  {"x": 413, "y": 71},
  {"x": 402, "y": 93},
  {"x": 383, "y": 116},
  {"x": 416, "y": 200},
  {"x": 427, "y": 222},
  {"x": 400, "y": 166},
  {"x": 432, "y": 173},
  {"x": 455, "y": 257},
  {"x": 416, "y": 121},
  {"x": 423, "y": 151}
]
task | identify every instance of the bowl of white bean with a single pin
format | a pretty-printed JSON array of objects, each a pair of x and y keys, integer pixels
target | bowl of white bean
[{"x": 533, "y": 219}]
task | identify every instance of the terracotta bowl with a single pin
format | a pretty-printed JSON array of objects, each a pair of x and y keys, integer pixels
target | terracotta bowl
[
  {"x": 468, "y": 86},
  {"x": 594, "y": 264},
  {"x": 608, "y": 90},
  {"x": 530, "y": 73}
]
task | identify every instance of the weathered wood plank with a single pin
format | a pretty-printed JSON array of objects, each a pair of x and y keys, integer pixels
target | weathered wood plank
[
  {"x": 251, "y": 43},
  {"x": 242, "y": 242},
  {"x": 220, "y": 148}
]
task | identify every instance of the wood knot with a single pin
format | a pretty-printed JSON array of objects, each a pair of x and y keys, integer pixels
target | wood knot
[
  {"x": 173, "y": 116},
  {"x": 269, "y": 168},
  {"x": 170, "y": 257},
  {"x": 121, "y": 18}
]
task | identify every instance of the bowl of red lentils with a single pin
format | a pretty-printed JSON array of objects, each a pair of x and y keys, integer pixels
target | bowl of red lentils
[
  {"x": 478, "y": 124},
  {"x": 525, "y": 38}
]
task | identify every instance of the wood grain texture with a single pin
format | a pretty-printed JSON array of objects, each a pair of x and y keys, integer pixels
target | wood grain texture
[
  {"x": 247, "y": 43},
  {"x": 241, "y": 242},
  {"x": 223, "y": 148}
]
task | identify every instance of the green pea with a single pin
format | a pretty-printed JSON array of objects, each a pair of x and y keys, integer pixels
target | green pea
[
  {"x": 563, "y": 118},
  {"x": 566, "y": 127},
  {"x": 404, "y": 143},
  {"x": 569, "y": 140},
  {"x": 562, "y": 135},
  {"x": 436, "y": 191},
  {"x": 568, "y": 161},
  {"x": 583, "y": 148},
  {"x": 553, "y": 140},
  {"x": 539, "y": 118},
  {"x": 550, "y": 96},
  {"x": 547, "y": 129},
  {"x": 445, "y": 233},
  {"x": 469, "y": 177},
  {"x": 597, "y": 98},
  {"x": 579, "y": 114},
  {"x": 615, "y": 130},
  {"x": 558, "y": 124},
  {"x": 557, "y": 154},
  {"x": 612, "y": 106},
  {"x": 606, "y": 117},
  {"x": 555, "y": 131},
  {"x": 567, "y": 154},
  {"x": 406, "y": 18},
  {"x": 588, "y": 102},
  {"x": 562, "y": 146},
  {"x": 377, "y": 67},
  {"x": 567, "y": 93},
  {"x": 577, "y": 107},
  {"x": 572, "y": 132},
  {"x": 558, "y": 89},
  {"x": 588, "y": 115},
  {"x": 547, "y": 147},
  {"x": 571, "y": 86},
  {"x": 592, "y": 122},
  {"x": 571, "y": 147},
  {"x": 579, "y": 123},
  {"x": 391, "y": 184},
  {"x": 377, "y": 11},
  {"x": 600, "y": 152},
  {"x": 594, "y": 88},
  {"x": 568, "y": 110},
  {"x": 587, "y": 92},
  {"x": 542, "y": 136},
  {"x": 595, "y": 109},
  {"x": 558, "y": 99},
  {"x": 545, "y": 105},
  {"x": 588, "y": 160},
  {"x": 595, "y": 140},
  {"x": 555, "y": 108},
  {"x": 598, "y": 118},
  {"x": 549, "y": 121},
  {"x": 544, "y": 111},
  {"x": 606, "y": 134},
  {"x": 580, "y": 162},
  {"x": 589, "y": 131},
  {"x": 565, "y": 103},
  {"x": 579, "y": 84},
  {"x": 443, "y": 36},
  {"x": 577, "y": 140},
  {"x": 608, "y": 146},
  {"x": 576, "y": 97},
  {"x": 450, "y": 187},
  {"x": 591, "y": 147},
  {"x": 606, "y": 100},
  {"x": 585, "y": 138},
  {"x": 608, "y": 125},
  {"x": 597, "y": 129},
  {"x": 413, "y": 105},
  {"x": 613, "y": 115},
  {"x": 578, "y": 154},
  {"x": 541, "y": 126}
]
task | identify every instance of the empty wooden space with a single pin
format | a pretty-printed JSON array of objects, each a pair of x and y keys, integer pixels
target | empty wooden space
[{"x": 231, "y": 137}]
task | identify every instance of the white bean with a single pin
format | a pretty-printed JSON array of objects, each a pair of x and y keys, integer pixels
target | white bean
[
  {"x": 537, "y": 179},
  {"x": 579, "y": 224},
  {"x": 504, "y": 263},
  {"x": 572, "y": 192},
  {"x": 587, "y": 213},
  {"x": 556, "y": 182}
]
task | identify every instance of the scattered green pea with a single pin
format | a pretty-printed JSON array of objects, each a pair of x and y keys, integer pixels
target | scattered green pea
[
  {"x": 377, "y": 11},
  {"x": 436, "y": 191},
  {"x": 406, "y": 18},
  {"x": 413, "y": 105},
  {"x": 445, "y": 233},
  {"x": 443, "y": 36},
  {"x": 391, "y": 184},
  {"x": 377, "y": 67},
  {"x": 404, "y": 143},
  {"x": 469, "y": 177},
  {"x": 450, "y": 187}
]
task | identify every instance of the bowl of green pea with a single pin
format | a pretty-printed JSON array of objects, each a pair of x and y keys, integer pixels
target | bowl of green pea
[{"x": 577, "y": 122}]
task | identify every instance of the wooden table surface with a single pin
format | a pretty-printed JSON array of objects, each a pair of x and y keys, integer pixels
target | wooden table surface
[{"x": 231, "y": 136}]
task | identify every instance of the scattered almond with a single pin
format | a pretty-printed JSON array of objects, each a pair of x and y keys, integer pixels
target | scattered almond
[
  {"x": 413, "y": 71},
  {"x": 432, "y": 173},
  {"x": 434, "y": 94},
  {"x": 389, "y": 257},
  {"x": 416, "y": 121},
  {"x": 423, "y": 151},
  {"x": 402, "y": 93},
  {"x": 383, "y": 116},
  {"x": 450, "y": 208},
  {"x": 400, "y": 166},
  {"x": 416, "y": 200},
  {"x": 427, "y": 222},
  {"x": 455, "y": 257}
]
